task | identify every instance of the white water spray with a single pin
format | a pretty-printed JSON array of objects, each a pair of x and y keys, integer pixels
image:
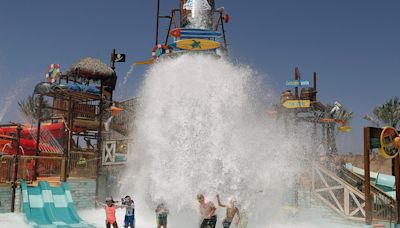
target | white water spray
[
  {"x": 9, "y": 98},
  {"x": 201, "y": 15},
  {"x": 201, "y": 127},
  {"x": 130, "y": 71}
]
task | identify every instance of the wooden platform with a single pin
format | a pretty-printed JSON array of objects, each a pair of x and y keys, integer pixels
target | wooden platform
[{"x": 53, "y": 181}]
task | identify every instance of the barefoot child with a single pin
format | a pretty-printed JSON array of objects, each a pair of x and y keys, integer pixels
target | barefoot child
[
  {"x": 231, "y": 211},
  {"x": 162, "y": 214},
  {"x": 110, "y": 208},
  {"x": 207, "y": 211},
  {"x": 128, "y": 203}
]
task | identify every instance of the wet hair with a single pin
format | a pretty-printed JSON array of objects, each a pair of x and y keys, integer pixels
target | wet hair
[
  {"x": 110, "y": 199},
  {"x": 233, "y": 201},
  {"x": 200, "y": 196}
]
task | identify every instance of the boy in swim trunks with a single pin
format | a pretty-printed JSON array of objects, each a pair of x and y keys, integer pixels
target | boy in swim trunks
[
  {"x": 207, "y": 211},
  {"x": 231, "y": 211},
  {"x": 162, "y": 214},
  {"x": 110, "y": 208},
  {"x": 129, "y": 220}
]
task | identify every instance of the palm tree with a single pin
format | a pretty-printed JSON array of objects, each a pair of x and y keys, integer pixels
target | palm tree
[
  {"x": 386, "y": 114},
  {"x": 30, "y": 107}
]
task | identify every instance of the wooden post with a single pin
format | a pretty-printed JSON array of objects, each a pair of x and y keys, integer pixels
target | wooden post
[
  {"x": 67, "y": 154},
  {"x": 367, "y": 183},
  {"x": 14, "y": 184},
  {"x": 296, "y": 78},
  {"x": 346, "y": 202},
  {"x": 315, "y": 87},
  {"x": 113, "y": 59},
  {"x": 397, "y": 180},
  {"x": 99, "y": 140},
  {"x": 35, "y": 173},
  {"x": 63, "y": 177}
]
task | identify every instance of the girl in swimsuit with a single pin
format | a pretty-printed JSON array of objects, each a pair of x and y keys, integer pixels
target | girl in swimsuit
[
  {"x": 110, "y": 208},
  {"x": 231, "y": 211}
]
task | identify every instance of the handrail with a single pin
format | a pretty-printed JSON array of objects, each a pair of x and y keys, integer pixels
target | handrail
[
  {"x": 373, "y": 187},
  {"x": 348, "y": 199}
]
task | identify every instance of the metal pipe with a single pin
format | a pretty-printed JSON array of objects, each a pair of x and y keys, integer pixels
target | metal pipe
[
  {"x": 157, "y": 23},
  {"x": 223, "y": 31},
  {"x": 169, "y": 26}
]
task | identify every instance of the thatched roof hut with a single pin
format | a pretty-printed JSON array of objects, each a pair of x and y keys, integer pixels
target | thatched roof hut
[{"x": 90, "y": 68}]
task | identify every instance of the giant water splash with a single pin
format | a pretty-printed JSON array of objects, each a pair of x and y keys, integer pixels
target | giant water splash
[{"x": 201, "y": 127}]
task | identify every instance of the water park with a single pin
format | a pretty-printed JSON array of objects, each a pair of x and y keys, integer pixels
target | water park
[{"x": 202, "y": 143}]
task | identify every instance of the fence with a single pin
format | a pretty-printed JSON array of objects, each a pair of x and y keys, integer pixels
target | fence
[
  {"x": 345, "y": 195},
  {"x": 83, "y": 164},
  {"x": 45, "y": 166}
]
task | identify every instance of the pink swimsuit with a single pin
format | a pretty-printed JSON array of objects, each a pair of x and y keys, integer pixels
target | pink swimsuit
[{"x": 110, "y": 214}]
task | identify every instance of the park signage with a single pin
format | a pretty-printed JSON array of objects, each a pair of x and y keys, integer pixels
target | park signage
[
  {"x": 297, "y": 83},
  {"x": 389, "y": 147},
  {"x": 297, "y": 104},
  {"x": 112, "y": 154}
]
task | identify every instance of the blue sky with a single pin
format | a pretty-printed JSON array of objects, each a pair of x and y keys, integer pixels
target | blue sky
[{"x": 352, "y": 45}]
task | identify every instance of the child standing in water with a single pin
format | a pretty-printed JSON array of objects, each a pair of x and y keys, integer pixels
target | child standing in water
[
  {"x": 110, "y": 208},
  {"x": 231, "y": 211},
  {"x": 129, "y": 204},
  {"x": 207, "y": 211},
  {"x": 162, "y": 214}
]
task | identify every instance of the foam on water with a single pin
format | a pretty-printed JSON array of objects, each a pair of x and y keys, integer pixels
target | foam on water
[{"x": 201, "y": 127}]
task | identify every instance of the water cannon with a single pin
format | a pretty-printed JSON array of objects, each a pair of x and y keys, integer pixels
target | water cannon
[{"x": 390, "y": 142}]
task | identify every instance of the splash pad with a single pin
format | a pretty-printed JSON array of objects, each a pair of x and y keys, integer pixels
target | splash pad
[{"x": 200, "y": 128}]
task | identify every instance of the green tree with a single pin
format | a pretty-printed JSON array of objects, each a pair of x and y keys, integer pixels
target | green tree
[
  {"x": 30, "y": 107},
  {"x": 387, "y": 114}
]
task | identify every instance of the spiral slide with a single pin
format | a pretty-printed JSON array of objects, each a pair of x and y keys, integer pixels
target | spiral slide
[{"x": 47, "y": 206}]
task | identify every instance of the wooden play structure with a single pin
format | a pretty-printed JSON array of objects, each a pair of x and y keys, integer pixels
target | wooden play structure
[{"x": 65, "y": 138}]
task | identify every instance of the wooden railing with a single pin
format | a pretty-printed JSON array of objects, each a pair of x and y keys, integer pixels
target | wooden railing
[
  {"x": 83, "y": 164},
  {"x": 45, "y": 166},
  {"x": 346, "y": 196},
  {"x": 384, "y": 204}
]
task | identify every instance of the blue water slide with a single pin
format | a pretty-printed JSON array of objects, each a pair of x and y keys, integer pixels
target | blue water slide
[{"x": 47, "y": 206}]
